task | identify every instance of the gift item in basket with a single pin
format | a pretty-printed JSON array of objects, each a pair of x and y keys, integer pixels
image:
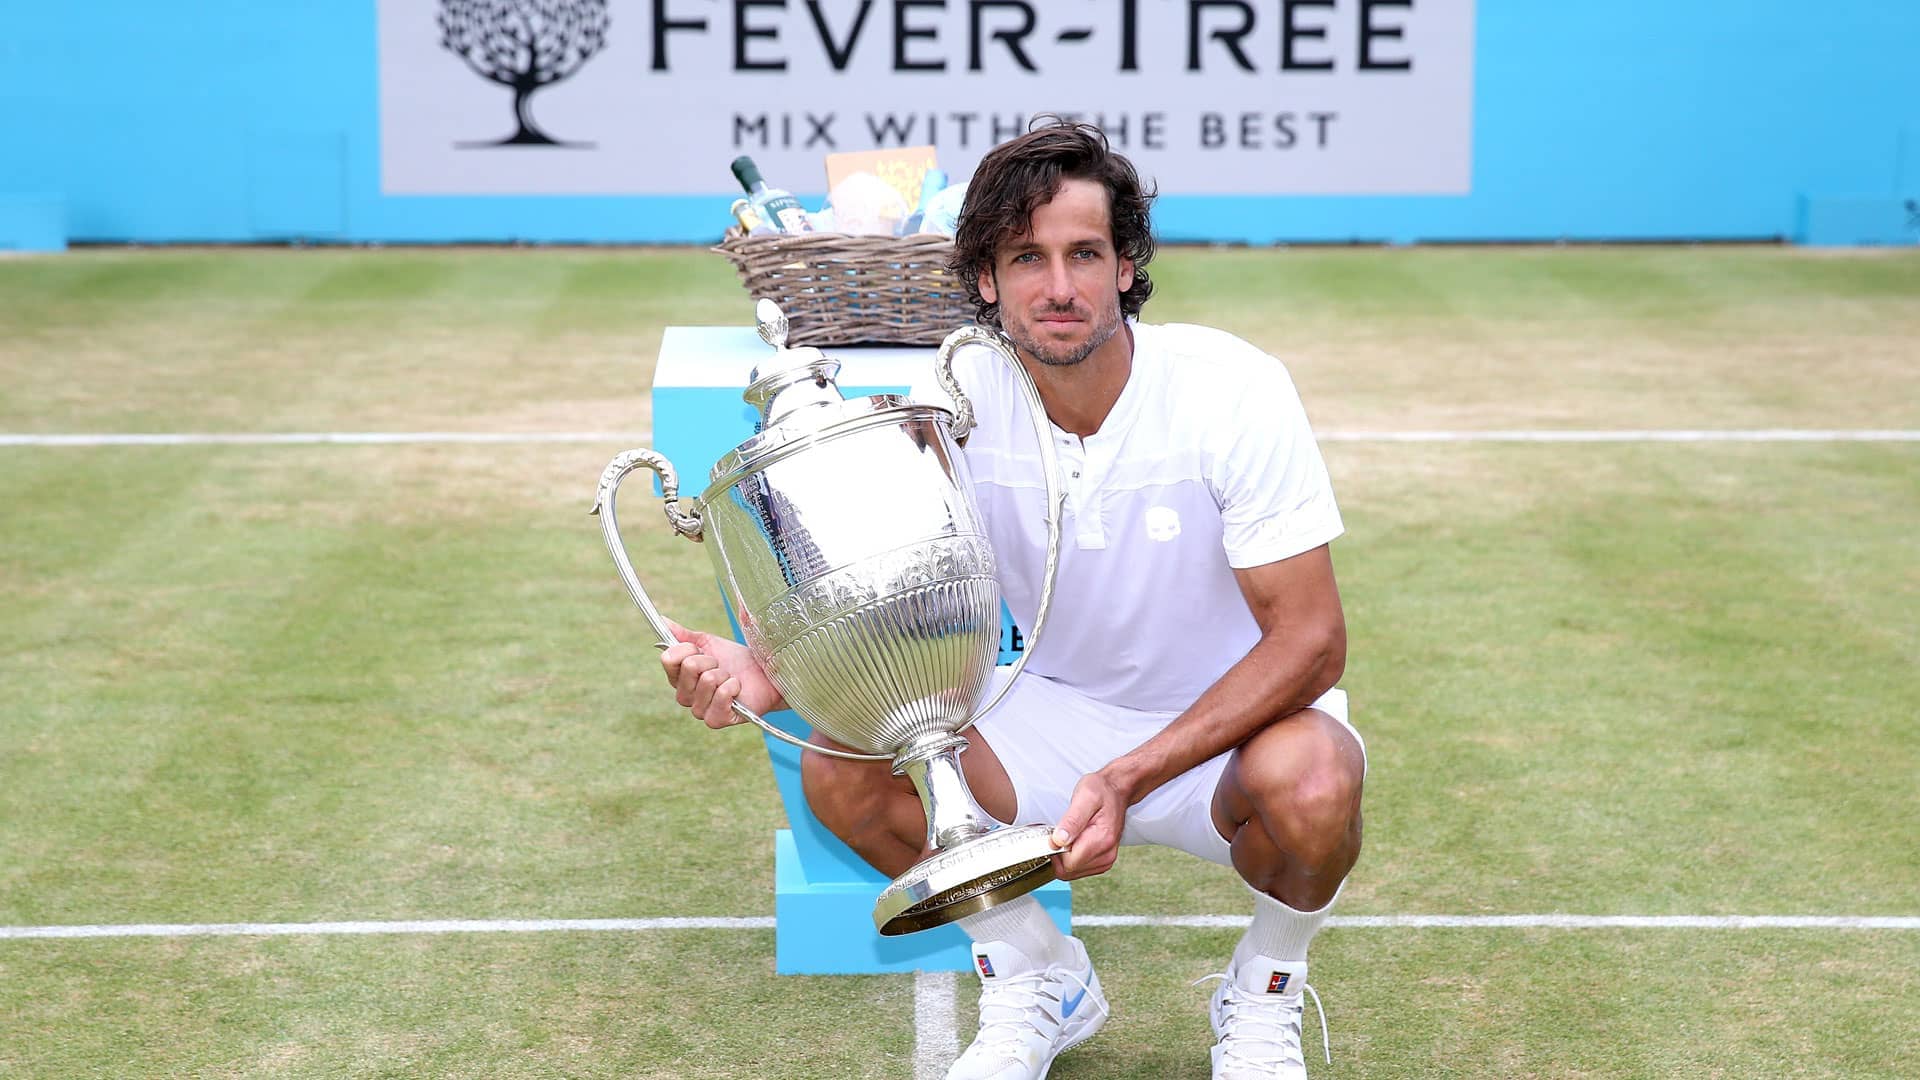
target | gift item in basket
[
  {"x": 850, "y": 290},
  {"x": 865, "y": 205}
]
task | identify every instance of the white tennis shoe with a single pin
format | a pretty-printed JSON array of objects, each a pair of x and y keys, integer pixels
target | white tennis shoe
[
  {"x": 1256, "y": 1016},
  {"x": 1029, "y": 1014}
]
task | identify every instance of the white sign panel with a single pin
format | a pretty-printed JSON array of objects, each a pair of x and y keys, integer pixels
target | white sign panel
[{"x": 637, "y": 97}]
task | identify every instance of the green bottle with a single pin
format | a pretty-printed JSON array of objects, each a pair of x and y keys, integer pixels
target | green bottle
[{"x": 776, "y": 206}]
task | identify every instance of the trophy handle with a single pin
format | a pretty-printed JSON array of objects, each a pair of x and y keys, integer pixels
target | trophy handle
[
  {"x": 962, "y": 425},
  {"x": 1049, "y": 459},
  {"x": 687, "y": 525}
]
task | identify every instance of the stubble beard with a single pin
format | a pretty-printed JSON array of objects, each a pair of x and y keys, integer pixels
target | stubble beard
[{"x": 1108, "y": 324}]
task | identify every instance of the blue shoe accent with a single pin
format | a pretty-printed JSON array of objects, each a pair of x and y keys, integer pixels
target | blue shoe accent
[{"x": 1071, "y": 1003}]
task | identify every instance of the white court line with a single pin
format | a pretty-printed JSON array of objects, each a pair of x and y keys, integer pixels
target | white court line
[
  {"x": 379, "y": 438},
  {"x": 936, "y": 1035},
  {"x": 765, "y": 922},
  {"x": 426, "y": 926},
  {"x": 1761, "y": 435},
  {"x": 1552, "y": 922},
  {"x": 936, "y": 1041},
  {"x": 311, "y": 438}
]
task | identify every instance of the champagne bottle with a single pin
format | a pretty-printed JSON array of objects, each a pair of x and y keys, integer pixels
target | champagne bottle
[{"x": 776, "y": 206}]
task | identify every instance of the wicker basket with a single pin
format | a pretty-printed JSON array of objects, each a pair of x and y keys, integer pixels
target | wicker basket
[{"x": 844, "y": 290}]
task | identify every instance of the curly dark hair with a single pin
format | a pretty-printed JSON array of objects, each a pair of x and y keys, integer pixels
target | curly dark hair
[{"x": 1023, "y": 174}]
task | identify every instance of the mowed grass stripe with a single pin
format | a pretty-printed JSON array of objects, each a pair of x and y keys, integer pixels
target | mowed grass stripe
[
  {"x": 401, "y": 683},
  {"x": 279, "y": 340},
  {"x": 1531, "y": 1003},
  {"x": 1644, "y": 677},
  {"x": 370, "y": 684},
  {"x": 1467, "y": 338},
  {"x": 150, "y": 335},
  {"x": 1627, "y": 681},
  {"x": 135, "y": 684},
  {"x": 704, "y": 1004},
  {"x": 658, "y": 1006},
  {"x": 565, "y": 340}
]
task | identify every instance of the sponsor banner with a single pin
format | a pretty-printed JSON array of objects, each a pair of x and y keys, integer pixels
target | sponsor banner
[{"x": 644, "y": 97}]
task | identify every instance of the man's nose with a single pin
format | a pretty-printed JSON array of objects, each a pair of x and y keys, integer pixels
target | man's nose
[{"x": 1059, "y": 282}]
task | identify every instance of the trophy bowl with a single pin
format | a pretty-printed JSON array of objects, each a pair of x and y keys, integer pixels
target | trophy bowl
[{"x": 846, "y": 540}]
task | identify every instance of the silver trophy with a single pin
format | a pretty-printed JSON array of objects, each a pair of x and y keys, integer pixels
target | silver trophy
[{"x": 846, "y": 538}]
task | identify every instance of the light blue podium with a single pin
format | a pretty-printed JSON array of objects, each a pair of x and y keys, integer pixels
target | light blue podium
[{"x": 823, "y": 892}]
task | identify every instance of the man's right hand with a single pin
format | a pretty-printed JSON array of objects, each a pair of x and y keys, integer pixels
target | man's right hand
[{"x": 709, "y": 673}]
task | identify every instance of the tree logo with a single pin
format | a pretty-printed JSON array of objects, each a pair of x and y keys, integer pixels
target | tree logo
[{"x": 526, "y": 46}]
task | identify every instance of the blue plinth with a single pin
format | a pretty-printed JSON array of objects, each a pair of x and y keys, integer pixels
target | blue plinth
[
  {"x": 823, "y": 895},
  {"x": 823, "y": 892},
  {"x": 825, "y": 927}
]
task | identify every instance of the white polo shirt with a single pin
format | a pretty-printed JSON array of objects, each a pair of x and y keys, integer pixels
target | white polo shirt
[{"x": 1205, "y": 464}]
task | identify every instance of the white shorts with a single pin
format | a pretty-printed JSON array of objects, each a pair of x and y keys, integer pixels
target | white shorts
[{"x": 1048, "y": 736}]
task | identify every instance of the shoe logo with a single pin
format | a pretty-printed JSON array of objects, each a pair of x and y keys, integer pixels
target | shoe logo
[
  {"x": 986, "y": 965},
  {"x": 1278, "y": 984},
  {"x": 1071, "y": 1003}
]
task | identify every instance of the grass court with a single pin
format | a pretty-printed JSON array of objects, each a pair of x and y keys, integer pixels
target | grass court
[{"x": 247, "y": 683}]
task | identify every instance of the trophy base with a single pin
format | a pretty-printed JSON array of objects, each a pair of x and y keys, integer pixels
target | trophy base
[{"x": 967, "y": 878}]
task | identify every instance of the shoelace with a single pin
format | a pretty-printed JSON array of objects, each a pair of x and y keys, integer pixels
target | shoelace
[
  {"x": 1029, "y": 989},
  {"x": 1243, "y": 1007}
]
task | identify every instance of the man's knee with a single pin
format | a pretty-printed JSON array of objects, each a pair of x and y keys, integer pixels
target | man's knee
[
  {"x": 847, "y": 796},
  {"x": 1304, "y": 779}
]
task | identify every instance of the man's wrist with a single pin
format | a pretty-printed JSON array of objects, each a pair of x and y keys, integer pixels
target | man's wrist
[{"x": 1130, "y": 777}]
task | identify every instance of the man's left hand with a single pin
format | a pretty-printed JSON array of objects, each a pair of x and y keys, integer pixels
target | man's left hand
[{"x": 1089, "y": 832}]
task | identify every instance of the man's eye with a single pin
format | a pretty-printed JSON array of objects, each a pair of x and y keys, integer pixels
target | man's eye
[{"x": 1025, "y": 256}]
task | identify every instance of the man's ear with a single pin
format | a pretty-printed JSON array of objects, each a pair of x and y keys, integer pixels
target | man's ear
[
  {"x": 1126, "y": 275},
  {"x": 987, "y": 290}
]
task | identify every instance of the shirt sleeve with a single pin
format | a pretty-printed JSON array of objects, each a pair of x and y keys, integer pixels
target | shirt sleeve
[{"x": 1276, "y": 499}]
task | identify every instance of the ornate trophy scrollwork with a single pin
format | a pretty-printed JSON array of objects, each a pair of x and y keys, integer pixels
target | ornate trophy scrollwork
[{"x": 845, "y": 536}]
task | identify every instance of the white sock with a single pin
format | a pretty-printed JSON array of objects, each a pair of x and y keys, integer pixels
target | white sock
[
  {"x": 1279, "y": 931},
  {"x": 1023, "y": 924}
]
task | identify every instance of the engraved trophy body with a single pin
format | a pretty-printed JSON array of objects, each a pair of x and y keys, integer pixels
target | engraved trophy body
[{"x": 845, "y": 536}]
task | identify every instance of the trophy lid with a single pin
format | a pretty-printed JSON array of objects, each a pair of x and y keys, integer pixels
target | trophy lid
[
  {"x": 800, "y": 405},
  {"x": 793, "y": 378}
]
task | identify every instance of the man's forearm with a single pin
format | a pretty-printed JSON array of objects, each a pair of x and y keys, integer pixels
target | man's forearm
[{"x": 1278, "y": 677}]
